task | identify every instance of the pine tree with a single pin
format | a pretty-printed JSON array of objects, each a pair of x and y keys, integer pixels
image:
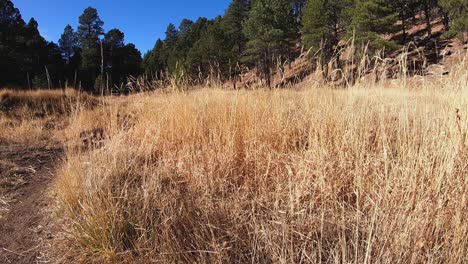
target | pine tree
[
  {"x": 89, "y": 30},
  {"x": 211, "y": 53},
  {"x": 152, "y": 61},
  {"x": 52, "y": 59},
  {"x": 71, "y": 53},
  {"x": 370, "y": 18},
  {"x": 11, "y": 23},
  {"x": 185, "y": 41},
  {"x": 168, "y": 52},
  {"x": 457, "y": 11},
  {"x": 90, "y": 24},
  {"x": 24, "y": 53},
  {"x": 185, "y": 26},
  {"x": 131, "y": 60},
  {"x": 113, "y": 41},
  {"x": 323, "y": 20},
  {"x": 35, "y": 51},
  {"x": 232, "y": 26},
  {"x": 68, "y": 43},
  {"x": 271, "y": 31},
  {"x": 427, "y": 6},
  {"x": 126, "y": 62}
]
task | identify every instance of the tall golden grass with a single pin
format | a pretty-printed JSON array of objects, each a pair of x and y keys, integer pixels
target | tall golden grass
[
  {"x": 31, "y": 115},
  {"x": 372, "y": 174}
]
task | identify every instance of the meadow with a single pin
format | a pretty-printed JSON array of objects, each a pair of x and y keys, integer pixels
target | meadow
[{"x": 375, "y": 173}]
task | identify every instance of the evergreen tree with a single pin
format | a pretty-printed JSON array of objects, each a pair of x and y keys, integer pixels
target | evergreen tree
[
  {"x": 185, "y": 26},
  {"x": 34, "y": 52},
  {"x": 371, "y": 18},
  {"x": 113, "y": 42},
  {"x": 426, "y": 6},
  {"x": 457, "y": 11},
  {"x": 71, "y": 53},
  {"x": 323, "y": 20},
  {"x": 89, "y": 30},
  {"x": 68, "y": 43},
  {"x": 11, "y": 24},
  {"x": 90, "y": 24},
  {"x": 55, "y": 64},
  {"x": 168, "y": 52},
  {"x": 24, "y": 53},
  {"x": 271, "y": 30},
  {"x": 211, "y": 53},
  {"x": 186, "y": 38},
  {"x": 130, "y": 62},
  {"x": 401, "y": 8},
  {"x": 152, "y": 61},
  {"x": 232, "y": 26}
]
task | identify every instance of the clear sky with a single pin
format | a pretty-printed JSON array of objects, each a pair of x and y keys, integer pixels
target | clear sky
[{"x": 142, "y": 21}]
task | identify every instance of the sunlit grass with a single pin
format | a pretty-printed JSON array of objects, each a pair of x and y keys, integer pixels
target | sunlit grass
[{"x": 372, "y": 174}]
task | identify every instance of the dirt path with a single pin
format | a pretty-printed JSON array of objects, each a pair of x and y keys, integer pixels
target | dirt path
[{"x": 25, "y": 174}]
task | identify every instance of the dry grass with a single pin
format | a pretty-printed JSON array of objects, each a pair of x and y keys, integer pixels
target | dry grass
[
  {"x": 44, "y": 102},
  {"x": 372, "y": 174},
  {"x": 29, "y": 116}
]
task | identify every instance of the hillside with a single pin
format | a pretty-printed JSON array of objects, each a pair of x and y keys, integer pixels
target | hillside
[{"x": 424, "y": 56}]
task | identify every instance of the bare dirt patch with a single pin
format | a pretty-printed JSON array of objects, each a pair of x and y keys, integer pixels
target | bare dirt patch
[{"x": 25, "y": 221}]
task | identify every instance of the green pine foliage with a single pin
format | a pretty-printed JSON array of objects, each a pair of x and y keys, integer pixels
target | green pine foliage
[
  {"x": 202, "y": 48},
  {"x": 271, "y": 30},
  {"x": 121, "y": 60},
  {"x": 152, "y": 64},
  {"x": 232, "y": 24},
  {"x": 371, "y": 18},
  {"x": 68, "y": 43},
  {"x": 457, "y": 11},
  {"x": 323, "y": 23},
  {"x": 24, "y": 53},
  {"x": 211, "y": 53},
  {"x": 26, "y": 57},
  {"x": 89, "y": 31}
]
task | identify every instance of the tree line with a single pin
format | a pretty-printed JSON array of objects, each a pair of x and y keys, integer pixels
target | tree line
[
  {"x": 252, "y": 34},
  {"x": 86, "y": 58},
  {"x": 265, "y": 34}
]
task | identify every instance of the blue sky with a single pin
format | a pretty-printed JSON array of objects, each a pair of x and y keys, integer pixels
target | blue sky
[{"x": 142, "y": 21}]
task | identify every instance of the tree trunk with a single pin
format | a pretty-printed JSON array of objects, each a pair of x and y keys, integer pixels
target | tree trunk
[
  {"x": 446, "y": 21},
  {"x": 29, "y": 82},
  {"x": 427, "y": 15},
  {"x": 76, "y": 76},
  {"x": 48, "y": 78},
  {"x": 403, "y": 23},
  {"x": 266, "y": 68},
  {"x": 102, "y": 70}
]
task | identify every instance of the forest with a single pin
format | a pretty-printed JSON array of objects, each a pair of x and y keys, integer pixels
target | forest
[{"x": 252, "y": 34}]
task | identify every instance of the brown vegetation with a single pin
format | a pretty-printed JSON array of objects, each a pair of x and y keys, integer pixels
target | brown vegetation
[
  {"x": 27, "y": 116},
  {"x": 372, "y": 174},
  {"x": 43, "y": 102},
  {"x": 376, "y": 173}
]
